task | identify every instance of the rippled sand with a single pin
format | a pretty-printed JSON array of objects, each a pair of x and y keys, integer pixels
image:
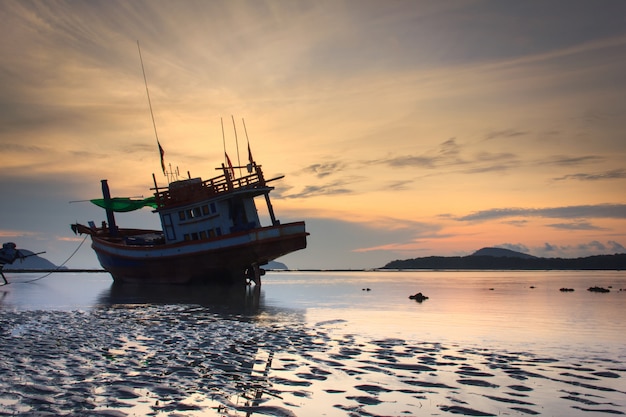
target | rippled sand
[{"x": 188, "y": 361}]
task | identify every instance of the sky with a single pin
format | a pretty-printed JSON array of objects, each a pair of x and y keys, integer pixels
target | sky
[{"x": 404, "y": 128}]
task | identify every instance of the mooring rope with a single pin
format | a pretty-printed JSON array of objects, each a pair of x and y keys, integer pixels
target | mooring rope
[{"x": 60, "y": 266}]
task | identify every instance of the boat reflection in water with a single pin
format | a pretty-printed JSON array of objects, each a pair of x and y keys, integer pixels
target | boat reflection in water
[
  {"x": 201, "y": 350},
  {"x": 236, "y": 299}
]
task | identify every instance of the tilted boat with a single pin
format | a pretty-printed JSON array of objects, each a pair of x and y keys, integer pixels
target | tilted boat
[{"x": 211, "y": 232}]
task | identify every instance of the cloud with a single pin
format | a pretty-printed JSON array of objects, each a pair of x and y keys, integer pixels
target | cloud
[
  {"x": 610, "y": 211},
  {"x": 449, "y": 148},
  {"x": 594, "y": 247},
  {"x": 550, "y": 248},
  {"x": 607, "y": 175},
  {"x": 412, "y": 161},
  {"x": 19, "y": 148},
  {"x": 451, "y": 154},
  {"x": 571, "y": 160},
  {"x": 331, "y": 188},
  {"x": 325, "y": 169},
  {"x": 16, "y": 233},
  {"x": 575, "y": 226},
  {"x": 518, "y": 247},
  {"x": 488, "y": 168},
  {"x": 517, "y": 223},
  {"x": 506, "y": 134},
  {"x": 616, "y": 247},
  {"x": 398, "y": 185}
]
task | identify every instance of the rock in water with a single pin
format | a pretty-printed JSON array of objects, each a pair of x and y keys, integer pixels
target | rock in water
[{"x": 419, "y": 297}]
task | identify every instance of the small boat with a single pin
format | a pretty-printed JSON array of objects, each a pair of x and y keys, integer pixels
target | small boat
[
  {"x": 8, "y": 254},
  {"x": 211, "y": 232}
]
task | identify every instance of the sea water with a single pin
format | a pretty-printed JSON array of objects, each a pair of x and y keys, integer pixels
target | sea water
[{"x": 317, "y": 343}]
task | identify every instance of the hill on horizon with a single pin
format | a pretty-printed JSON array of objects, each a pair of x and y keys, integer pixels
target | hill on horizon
[{"x": 500, "y": 258}]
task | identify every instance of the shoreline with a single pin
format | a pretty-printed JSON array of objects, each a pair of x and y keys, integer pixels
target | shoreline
[{"x": 92, "y": 270}]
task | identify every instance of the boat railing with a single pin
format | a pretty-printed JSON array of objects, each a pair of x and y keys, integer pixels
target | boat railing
[{"x": 209, "y": 188}]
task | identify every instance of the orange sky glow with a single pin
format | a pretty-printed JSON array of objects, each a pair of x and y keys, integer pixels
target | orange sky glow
[{"x": 403, "y": 128}]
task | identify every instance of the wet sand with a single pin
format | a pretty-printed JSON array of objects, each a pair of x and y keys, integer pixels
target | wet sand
[{"x": 184, "y": 360}]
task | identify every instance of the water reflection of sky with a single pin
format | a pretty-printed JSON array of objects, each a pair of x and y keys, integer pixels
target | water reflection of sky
[
  {"x": 308, "y": 344},
  {"x": 476, "y": 307},
  {"x": 498, "y": 307}
]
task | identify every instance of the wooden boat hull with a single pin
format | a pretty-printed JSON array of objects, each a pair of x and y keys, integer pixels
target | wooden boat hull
[{"x": 220, "y": 260}]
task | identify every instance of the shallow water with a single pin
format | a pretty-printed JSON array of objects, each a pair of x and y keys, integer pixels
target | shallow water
[{"x": 311, "y": 344}]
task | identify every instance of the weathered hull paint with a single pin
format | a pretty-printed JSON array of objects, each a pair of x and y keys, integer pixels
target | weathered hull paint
[{"x": 221, "y": 260}]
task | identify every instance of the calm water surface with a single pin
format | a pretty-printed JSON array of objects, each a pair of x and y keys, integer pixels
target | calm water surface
[{"x": 500, "y": 308}]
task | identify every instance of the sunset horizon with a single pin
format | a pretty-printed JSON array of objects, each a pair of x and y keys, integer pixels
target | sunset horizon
[{"x": 403, "y": 129}]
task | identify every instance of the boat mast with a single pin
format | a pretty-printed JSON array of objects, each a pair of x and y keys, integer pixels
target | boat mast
[
  {"x": 106, "y": 194},
  {"x": 236, "y": 144},
  {"x": 145, "y": 80}
]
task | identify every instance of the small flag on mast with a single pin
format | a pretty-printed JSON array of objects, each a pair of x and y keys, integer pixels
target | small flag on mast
[
  {"x": 251, "y": 164},
  {"x": 162, "y": 153},
  {"x": 231, "y": 170},
  {"x": 250, "y": 158}
]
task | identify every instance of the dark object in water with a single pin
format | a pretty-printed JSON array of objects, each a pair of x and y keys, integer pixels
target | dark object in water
[
  {"x": 419, "y": 297},
  {"x": 9, "y": 254},
  {"x": 566, "y": 290},
  {"x": 598, "y": 289}
]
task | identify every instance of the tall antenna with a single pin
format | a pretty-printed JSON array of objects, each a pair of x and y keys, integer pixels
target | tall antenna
[
  {"x": 236, "y": 144},
  {"x": 223, "y": 138},
  {"x": 145, "y": 80}
]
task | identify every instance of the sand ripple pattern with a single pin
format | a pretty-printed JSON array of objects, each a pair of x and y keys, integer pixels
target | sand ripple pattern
[{"x": 189, "y": 361}]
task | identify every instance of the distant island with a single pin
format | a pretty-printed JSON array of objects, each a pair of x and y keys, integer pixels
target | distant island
[{"x": 499, "y": 258}]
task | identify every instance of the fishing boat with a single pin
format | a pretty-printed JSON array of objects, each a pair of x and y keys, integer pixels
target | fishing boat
[{"x": 210, "y": 231}]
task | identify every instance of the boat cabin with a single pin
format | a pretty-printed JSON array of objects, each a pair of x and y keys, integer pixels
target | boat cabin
[{"x": 193, "y": 209}]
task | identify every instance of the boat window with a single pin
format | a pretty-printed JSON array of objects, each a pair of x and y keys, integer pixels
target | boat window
[
  {"x": 194, "y": 236},
  {"x": 181, "y": 215},
  {"x": 196, "y": 212},
  {"x": 213, "y": 208},
  {"x": 218, "y": 231},
  {"x": 187, "y": 236},
  {"x": 205, "y": 210},
  {"x": 211, "y": 233},
  {"x": 169, "y": 227},
  {"x": 202, "y": 235},
  {"x": 190, "y": 214}
]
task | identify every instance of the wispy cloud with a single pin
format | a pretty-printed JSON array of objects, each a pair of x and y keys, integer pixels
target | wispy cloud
[
  {"x": 554, "y": 250},
  {"x": 398, "y": 185},
  {"x": 575, "y": 226},
  {"x": 517, "y": 223},
  {"x": 16, "y": 233},
  {"x": 564, "y": 160},
  {"x": 325, "y": 169},
  {"x": 595, "y": 247},
  {"x": 412, "y": 161},
  {"x": 613, "y": 211},
  {"x": 506, "y": 134},
  {"x": 451, "y": 154},
  {"x": 518, "y": 247},
  {"x": 331, "y": 188},
  {"x": 607, "y": 175}
]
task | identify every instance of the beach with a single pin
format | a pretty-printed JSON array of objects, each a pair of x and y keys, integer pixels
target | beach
[{"x": 317, "y": 344}]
